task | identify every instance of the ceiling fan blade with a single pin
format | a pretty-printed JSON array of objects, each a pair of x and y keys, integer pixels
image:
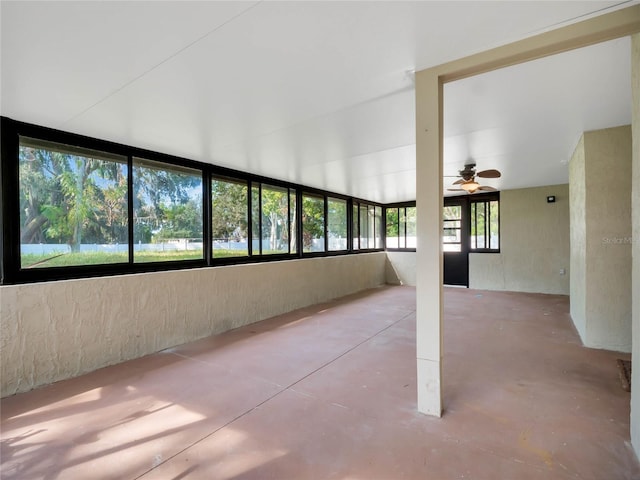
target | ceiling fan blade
[
  {"x": 488, "y": 189},
  {"x": 459, "y": 182},
  {"x": 492, "y": 173},
  {"x": 455, "y": 189}
]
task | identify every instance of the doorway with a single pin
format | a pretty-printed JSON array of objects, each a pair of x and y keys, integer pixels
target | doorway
[{"x": 455, "y": 241}]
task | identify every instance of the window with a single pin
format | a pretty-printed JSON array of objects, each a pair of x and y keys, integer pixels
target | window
[
  {"x": 337, "y": 224},
  {"x": 76, "y": 207},
  {"x": 313, "y": 223},
  {"x": 410, "y": 226},
  {"x": 73, "y": 206},
  {"x": 452, "y": 228},
  {"x": 355, "y": 227},
  {"x": 392, "y": 231},
  {"x": 377, "y": 227},
  {"x": 485, "y": 225},
  {"x": 167, "y": 212},
  {"x": 229, "y": 218},
  {"x": 293, "y": 222},
  {"x": 364, "y": 226},
  {"x": 369, "y": 231},
  {"x": 271, "y": 214},
  {"x": 401, "y": 227}
]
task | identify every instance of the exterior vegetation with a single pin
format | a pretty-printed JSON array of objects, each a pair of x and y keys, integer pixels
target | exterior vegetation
[{"x": 74, "y": 211}]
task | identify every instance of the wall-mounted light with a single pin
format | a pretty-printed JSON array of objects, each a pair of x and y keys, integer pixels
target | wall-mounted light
[{"x": 551, "y": 198}]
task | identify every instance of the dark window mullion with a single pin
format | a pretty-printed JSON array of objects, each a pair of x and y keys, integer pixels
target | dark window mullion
[
  {"x": 130, "y": 208},
  {"x": 259, "y": 218},
  {"x": 299, "y": 231},
  {"x": 207, "y": 236},
  {"x": 326, "y": 223},
  {"x": 486, "y": 224},
  {"x": 404, "y": 234},
  {"x": 289, "y": 221},
  {"x": 249, "y": 219}
]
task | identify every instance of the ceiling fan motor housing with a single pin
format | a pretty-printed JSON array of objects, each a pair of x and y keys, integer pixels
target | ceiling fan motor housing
[{"x": 468, "y": 172}]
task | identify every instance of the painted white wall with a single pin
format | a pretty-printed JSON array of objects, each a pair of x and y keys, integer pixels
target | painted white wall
[
  {"x": 601, "y": 231},
  {"x": 635, "y": 205},
  {"x": 56, "y": 330},
  {"x": 401, "y": 268},
  {"x": 534, "y": 244}
]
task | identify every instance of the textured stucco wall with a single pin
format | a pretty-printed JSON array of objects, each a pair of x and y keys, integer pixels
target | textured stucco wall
[
  {"x": 603, "y": 191},
  {"x": 401, "y": 268},
  {"x": 635, "y": 203},
  {"x": 608, "y": 155},
  {"x": 578, "y": 229},
  {"x": 56, "y": 330},
  {"x": 534, "y": 237}
]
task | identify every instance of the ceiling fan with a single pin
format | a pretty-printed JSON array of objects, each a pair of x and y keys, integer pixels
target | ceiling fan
[{"x": 467, "y": 180}]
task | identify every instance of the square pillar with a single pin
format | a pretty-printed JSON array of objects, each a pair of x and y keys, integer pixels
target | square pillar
[
  {"x": 635, "y": 243},
  {"x": 429, "y": 202}
]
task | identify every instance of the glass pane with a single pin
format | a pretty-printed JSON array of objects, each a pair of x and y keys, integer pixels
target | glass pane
[
  {"x": 378, "y": 227},
  {"x": 402, "y": 243},
  {"x": 229, "y": 218},
  {"x": 478, "y": 225},
  {"x": 392, "y": 228},
  {"x": 451, "y": 235},
  {"x": 452, "y": 223},
  {"x": 412, "y": 241},
  {"x": 372, "y": 226},
  {"x": 255, "y": 219},
  {"x": 167, "y": 211},
  {"x": 337, "y": 224},
  {"x": 73, "y": 206},
  {"x": 292, "y": 221},
  {"x": 356, "y": 229},
  {"x": 275, "y": 220},
  {"x": 452, "y": 212},
  {"x": 494, "y": 224},
  {"x": 364, "y": 226},
  {"x": 451, "y": 231},
  {"x": 312, "y": 223},
  {"x": 474, "y": 243}
]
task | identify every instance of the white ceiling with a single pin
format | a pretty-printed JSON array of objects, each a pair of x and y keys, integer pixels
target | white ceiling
[{"x": 317, "y": 93}]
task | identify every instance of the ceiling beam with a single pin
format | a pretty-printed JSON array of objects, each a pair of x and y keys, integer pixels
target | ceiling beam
[{"x": 610, "y": 26}]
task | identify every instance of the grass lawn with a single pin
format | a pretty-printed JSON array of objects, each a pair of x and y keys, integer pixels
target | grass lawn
[{"x": 102, "y": 258}]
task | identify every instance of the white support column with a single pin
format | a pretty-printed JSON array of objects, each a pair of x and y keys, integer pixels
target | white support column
[
  {"x": 635, "y": 247},
  {"x": 429, "y": 187},
  {"x": 429, "y": 255}
]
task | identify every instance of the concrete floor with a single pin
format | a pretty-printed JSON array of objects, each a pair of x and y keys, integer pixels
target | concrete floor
[{"x": 329, "y": 392}]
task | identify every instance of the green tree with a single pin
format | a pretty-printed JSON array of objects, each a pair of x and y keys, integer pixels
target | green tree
[
  {"x": 392, "y": 222},
  {"x": 275, "y": 217},
  {"x": 62, "y": 198},
  {"x": 181, "y": 220},
  {"x": 167, "y": 203},
  {"x": 228, "y": 210},
  {"x": 312, "y": 220}
]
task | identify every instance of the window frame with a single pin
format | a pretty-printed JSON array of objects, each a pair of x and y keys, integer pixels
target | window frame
[
  {"x": 322, "y": 199},
  {"x": 247, "y": 184},
  {"x": 141, "y": 162},
  {"x": 10, "y": 268},
  {"x": 369, "y": 236},
  {"x": 75, "y": 154},
  {"x": 486, "y": 199},
  {"x": 334, "y": 198},
  {"x": 398, "y": 206}
]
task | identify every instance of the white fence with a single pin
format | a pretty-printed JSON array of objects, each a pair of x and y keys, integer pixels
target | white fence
[
  {"x": 56, "y": 249},
  {"x": 182, "y": 244}
]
